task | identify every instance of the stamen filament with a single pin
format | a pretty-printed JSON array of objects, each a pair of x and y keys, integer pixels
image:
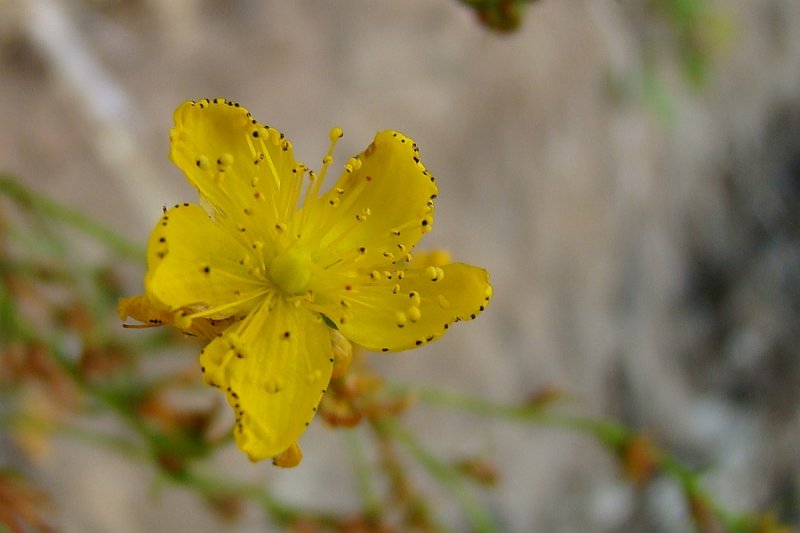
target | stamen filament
[
  {"x": 215, "y": 310},
  {"x": 314, "y": 185}
]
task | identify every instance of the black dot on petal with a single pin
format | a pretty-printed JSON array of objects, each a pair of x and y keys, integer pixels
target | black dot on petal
[{"x": 419, "y": 342}]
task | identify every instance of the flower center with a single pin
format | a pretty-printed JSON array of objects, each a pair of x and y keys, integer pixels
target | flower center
[{"x": 291, "y": 271}]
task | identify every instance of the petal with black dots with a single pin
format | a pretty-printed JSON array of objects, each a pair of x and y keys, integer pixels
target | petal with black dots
[
  {"x": 241, "y": 167},
  {"x": 274, "y": 367},
  {"x": 380, "y": 206},
  {"x": 193, "y": 263},
  {"x": 399, "y": 314}
]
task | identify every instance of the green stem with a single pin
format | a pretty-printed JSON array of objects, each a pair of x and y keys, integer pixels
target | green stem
[
  {"x": 120, "y": 445},
  {"x": 28, "y": 199},
  {"x": 478, "y": 516},
  {"x": 282, "y": 514},
  {"x": 608, "y": 431},
  {"x": 611, "y": 433},
  {"x": 363, "y": 473}
]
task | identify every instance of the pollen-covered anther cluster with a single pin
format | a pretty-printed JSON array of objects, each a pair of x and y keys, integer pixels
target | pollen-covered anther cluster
[{"x": 434, "y": 273}]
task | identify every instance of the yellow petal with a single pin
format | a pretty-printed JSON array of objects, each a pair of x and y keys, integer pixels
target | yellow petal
[
  {"x": 151, "y": 315},
  {"x": 234, "y": 162},
  {"x": 392, "y": 314},
  {"x": 142, "y": 309},
  {"x": 194, "y": 263},
  {"x": 380, "y": 206},
  {"x": 274, "y": 367}
]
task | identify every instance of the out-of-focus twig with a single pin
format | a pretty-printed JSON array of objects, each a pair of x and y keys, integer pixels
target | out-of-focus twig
[{"x": 61, "y": 213}]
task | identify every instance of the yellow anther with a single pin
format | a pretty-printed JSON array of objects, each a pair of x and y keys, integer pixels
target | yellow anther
[
  {"x": 202, "y": 162},
  {"x": 434, "y": 273},
  {"x": 414, "y": 314},
  {"x": 225, "y": 160},
  {"x": 254, "y": 181},
  {"x": 272, "y": 386},
  {"x": 401, "y": 318},
  {"x": 182, "y": 320},
  {"x": 416, "y": 299},
  {"x": 444, "y": 303},
  {"x": 395, "y": 289},
  {"x": 375, "y": 275},
  {"x": 233, "y": 341},
  {"x": 281, "y": 227},
  {"x": 336, "y": 133}
]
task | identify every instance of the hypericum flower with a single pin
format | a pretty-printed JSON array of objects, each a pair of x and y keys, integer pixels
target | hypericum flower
[{"x": 270, "y": 267}]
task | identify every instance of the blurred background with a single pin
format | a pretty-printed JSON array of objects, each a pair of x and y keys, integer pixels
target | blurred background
[{"x": 628, "y": 171}]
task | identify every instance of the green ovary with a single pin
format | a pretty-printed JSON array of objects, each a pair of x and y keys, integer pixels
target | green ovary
[{"x": 291, "y": 272}]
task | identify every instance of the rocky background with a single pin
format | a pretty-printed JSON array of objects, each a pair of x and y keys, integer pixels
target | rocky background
[{"x": 628, "y": 172}]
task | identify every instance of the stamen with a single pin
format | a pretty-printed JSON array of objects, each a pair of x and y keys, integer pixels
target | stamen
[
  {"x": 315, "y": 184},
  {"x": 218, "y": 309}
]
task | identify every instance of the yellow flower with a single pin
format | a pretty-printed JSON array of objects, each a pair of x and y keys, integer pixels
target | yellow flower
[{"x": 277, "y": 263}]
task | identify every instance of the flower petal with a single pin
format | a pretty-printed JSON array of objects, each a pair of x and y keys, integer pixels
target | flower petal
[
  {"x": 274, "y": 367},
  {"x": 381, "y": 204},
  {"x": 152, "y": 315},
  {"x": 389, "y": 315},
  {"x": 194, "y": 263},
  {"x": 234, "y": 162}
]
